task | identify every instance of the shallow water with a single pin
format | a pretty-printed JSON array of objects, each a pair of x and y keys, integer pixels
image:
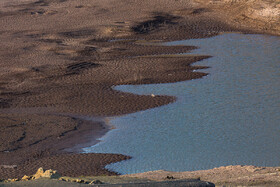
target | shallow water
[{"x": 231, "y": 116}]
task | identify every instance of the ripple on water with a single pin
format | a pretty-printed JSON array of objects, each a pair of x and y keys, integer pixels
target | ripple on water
[{"x": 229, "y": 117}]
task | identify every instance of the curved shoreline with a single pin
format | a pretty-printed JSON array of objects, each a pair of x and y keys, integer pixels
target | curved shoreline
[
  {"x": 128, "y": 137},
  {"x": 70, "y": 67}
]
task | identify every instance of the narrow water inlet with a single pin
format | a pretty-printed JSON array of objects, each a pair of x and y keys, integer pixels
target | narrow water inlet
[{"x": 227, "y": 118}]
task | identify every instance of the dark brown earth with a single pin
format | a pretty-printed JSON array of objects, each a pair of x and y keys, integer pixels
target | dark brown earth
[
  {"x": 88, "y": 164},
  {"x": 60, "y": 59}
]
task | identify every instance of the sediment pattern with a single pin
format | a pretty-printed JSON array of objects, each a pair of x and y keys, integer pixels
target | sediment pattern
[{"x": 60, "y": 59}]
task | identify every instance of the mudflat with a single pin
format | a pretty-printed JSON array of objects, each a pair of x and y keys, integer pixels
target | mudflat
[{"x": 60, "y": 58}]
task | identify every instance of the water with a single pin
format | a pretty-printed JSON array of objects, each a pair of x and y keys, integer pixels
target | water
[{"x": 230, "y": 117}]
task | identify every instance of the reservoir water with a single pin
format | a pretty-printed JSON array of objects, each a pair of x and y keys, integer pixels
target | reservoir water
[{"x": 230, "y": 117}]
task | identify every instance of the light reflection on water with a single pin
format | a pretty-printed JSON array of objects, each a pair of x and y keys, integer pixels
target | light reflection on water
[{"x": 230, "y": 117}]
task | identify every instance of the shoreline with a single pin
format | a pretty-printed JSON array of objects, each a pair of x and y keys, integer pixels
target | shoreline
[
  {"x": 71, "y": 68},
  {"x": 133, "y": 166}
]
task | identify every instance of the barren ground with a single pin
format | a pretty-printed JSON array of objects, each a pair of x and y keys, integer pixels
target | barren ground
[{"x": 60, "y": 58}]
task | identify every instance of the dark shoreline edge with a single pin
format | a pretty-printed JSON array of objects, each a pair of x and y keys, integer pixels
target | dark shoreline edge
[
  {"x": 82, "y": 138},
  {"x": 55, "y": 158},
  {"x": 173, "y": 56}
]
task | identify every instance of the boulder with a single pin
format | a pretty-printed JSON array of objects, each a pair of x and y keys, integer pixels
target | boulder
[
  {"x": 52, "y": 174},
  {"x": 14, "y": 180},
  {"x": 26, "y": 178}
]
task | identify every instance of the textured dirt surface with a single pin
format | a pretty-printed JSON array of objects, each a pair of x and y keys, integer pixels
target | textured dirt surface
[
  {"x": 89, "y": 164},
  {"x": 262, "y": 15},
  {"x": 60, "y": 59},
  {"x": 222, "y": 176}
]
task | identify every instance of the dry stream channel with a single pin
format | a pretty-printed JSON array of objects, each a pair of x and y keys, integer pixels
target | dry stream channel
[{"x": 229, "y": 117}]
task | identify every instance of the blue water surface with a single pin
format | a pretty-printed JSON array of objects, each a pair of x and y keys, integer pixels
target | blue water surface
[{"x": 230, "y": 117}]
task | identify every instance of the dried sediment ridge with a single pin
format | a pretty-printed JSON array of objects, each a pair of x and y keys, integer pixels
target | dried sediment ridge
[{"x": 262, "y": 15}]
